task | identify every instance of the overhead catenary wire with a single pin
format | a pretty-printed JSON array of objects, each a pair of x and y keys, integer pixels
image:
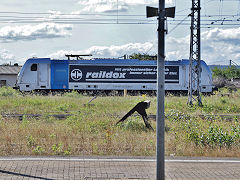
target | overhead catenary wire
[
  {"x": 97, "y": 17},
  {"x": 17, "y": 17},
  {"x": 67, "y": 14},
  {"x": 217, "y": 23},
  {"x": 178, "y": 24},
  {"x": 100, "y": 14}
]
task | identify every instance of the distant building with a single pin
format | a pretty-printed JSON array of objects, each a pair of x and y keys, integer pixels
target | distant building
[{"x": 8, "y": 75}]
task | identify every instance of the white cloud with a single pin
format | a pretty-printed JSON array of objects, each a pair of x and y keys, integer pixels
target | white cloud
[
  {"x": 177, "y": 48},
  {"x": 144, "y": 2},
  {"x": 113, "y": 5},
  {"x": 221, "y": 45},
  {"x": 230, "y": 36},
  {"x": 117, "y": 51},
  {"x": 218, "y": 47},
  {"x": 33, "y": 32},
  {"x": 6, "y": 57},
  {"x": 61, "y": 54},
  {"x": 108, "y": 51},
  {"x": 100, "y": 6},
  {"x": 54, "y": 14}
]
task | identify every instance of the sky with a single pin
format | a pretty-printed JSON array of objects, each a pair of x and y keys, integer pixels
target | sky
[{"x": 113, "y": 28}]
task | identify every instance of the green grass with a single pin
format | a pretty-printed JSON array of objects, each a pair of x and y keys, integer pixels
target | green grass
[{"x": 91, "y": 130}]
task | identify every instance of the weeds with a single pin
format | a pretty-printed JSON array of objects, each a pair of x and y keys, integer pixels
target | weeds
[
  {"x": 92, "y": 130},
  {"x": 38, "y": 150},
  {"x": 31, "y": 142},
  {"x": 57, "y": 149},
  {"x": 215, "y": 136},
  {"x": 73, "y": 94},
  {"x": 8, "y": 92},
  {"x": 133, "y": 125}
]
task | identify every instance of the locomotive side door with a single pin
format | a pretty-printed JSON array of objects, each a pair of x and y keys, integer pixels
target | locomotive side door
[
  {"x": 59, "y": 74},
  {"x": 43, "y": 75}
]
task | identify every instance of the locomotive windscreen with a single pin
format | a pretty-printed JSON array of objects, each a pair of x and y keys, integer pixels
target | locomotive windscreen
[{"x": 120, "y": 74}]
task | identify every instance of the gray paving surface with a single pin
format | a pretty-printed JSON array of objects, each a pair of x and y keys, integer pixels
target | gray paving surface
[{"x": 116, "y": 168}]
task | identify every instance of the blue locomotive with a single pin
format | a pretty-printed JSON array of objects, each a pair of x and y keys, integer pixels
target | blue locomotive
[{"x": 106, "y": 74}]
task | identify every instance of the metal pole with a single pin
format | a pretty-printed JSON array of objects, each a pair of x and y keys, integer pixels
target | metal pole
[
  {"x": 190, "y": 83},
  {"x": 195, "y": 55},
  {"x": 160, "y": 174},
  {"x": 199, "y": 54}
]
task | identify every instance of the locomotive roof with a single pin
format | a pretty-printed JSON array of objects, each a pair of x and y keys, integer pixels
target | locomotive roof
[{"x": 109, "y": 61}]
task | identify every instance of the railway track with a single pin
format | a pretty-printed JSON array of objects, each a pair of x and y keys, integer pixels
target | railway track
[
  {"x": 227, "y": 117},
  {"x": 21, "y": 116}
]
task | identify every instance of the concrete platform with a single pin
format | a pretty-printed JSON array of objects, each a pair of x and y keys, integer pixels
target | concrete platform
[{"x": 50, "y": 168}]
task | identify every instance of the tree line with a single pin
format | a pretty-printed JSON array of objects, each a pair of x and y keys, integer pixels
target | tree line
[{"x": 231, "y": 72}]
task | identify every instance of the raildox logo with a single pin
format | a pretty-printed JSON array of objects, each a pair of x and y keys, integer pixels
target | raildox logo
[
  {"x": 105, "y": 75},
  {"x": 76, "y": 74}
]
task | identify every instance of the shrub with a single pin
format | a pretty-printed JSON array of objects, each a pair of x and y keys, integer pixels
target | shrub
[
  {"x": 8, "y": 91},
  {"x": 228, "y": 73},
  {"x": 38, "y": 150},
  {"x": 31, "y": 142},
  {"x": 175, "y": 115},
  {"x": 74, "y": 94},
  {"x": 215, "y": 136},
  {"x": 133, "y": 125}
]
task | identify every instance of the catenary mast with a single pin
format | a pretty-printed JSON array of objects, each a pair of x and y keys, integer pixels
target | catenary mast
[{"x": 195, "y": 56}]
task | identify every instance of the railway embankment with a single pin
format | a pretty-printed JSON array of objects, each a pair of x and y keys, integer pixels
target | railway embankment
[{"x": 210, "y": 130}]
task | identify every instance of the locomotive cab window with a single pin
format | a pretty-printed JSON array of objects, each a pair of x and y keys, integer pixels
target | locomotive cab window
[{"x": 34, "y": 67}]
